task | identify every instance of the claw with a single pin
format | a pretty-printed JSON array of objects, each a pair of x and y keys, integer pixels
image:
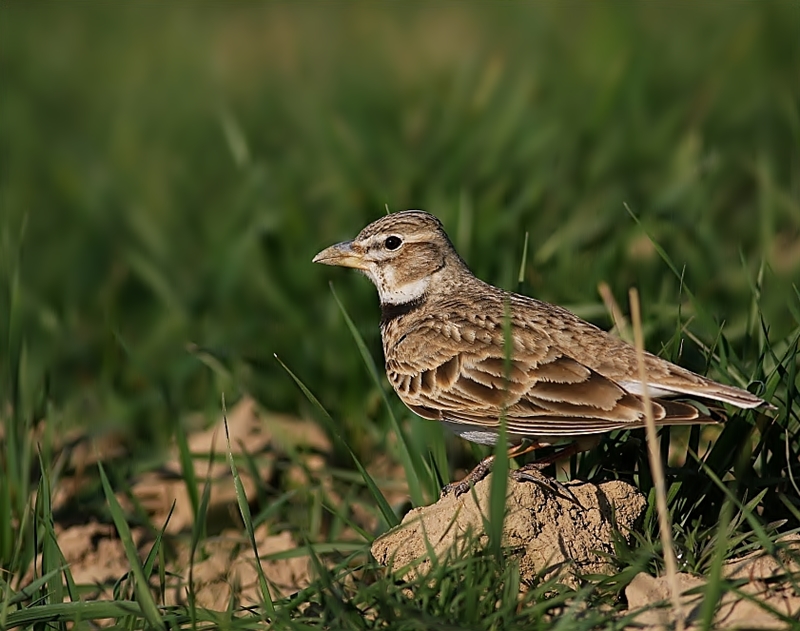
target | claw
[
  {"x": 526, "y": 474},
  {"x": 473, "y": 477},
  {"x": 456, "y": 488}
]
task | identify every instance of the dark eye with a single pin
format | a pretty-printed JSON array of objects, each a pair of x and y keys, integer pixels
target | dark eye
[{"x": 393, "y": 242}]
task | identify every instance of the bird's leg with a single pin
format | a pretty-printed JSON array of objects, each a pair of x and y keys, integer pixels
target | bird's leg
[
  {"x": 472, "y": 478},
  {"x": 570, "y": 450},
  {"x": 532, "y": 472},
  {"x": 483, "y": 469},
  {"x": 534, "y": 475}
]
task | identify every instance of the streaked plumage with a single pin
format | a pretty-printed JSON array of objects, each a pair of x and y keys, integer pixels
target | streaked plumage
[{"x": 445, "y": 348}]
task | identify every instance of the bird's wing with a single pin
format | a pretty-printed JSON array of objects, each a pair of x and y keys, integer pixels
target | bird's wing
[
  {"x": 618, "y": 360},
  {"x": 458, "y": 372}
]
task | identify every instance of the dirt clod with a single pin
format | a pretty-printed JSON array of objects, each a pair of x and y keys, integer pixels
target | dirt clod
[
  {"x": 765, "y": 598},
  {"x": 547, "y": 533},
  {"x": 228, "y": 571},
  {"x": 223, "y": 568},
  {"x": 259, "y": 434}
]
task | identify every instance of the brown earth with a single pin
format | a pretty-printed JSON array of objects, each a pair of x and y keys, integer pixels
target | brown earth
[
  {"x": 764, "y": 598},
  {"x": 261, "y": 436},
  {"x": 551, "y": 536},
  {"x": 223, "y": 571},
  {"x": 547, "y": 533},
  {"x": 224, "y": 565}
]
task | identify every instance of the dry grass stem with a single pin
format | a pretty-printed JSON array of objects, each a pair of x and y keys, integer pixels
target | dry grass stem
[
  {"x": 656, "y": 466},
  {"x": 620, "y": 323}
]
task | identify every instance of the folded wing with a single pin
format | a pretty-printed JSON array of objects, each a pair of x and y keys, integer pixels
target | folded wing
[{"x": 461, "y": 375}]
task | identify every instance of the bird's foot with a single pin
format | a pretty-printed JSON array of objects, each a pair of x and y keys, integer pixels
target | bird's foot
[
  {"x": 469, "y": 480},
  {"x": 533, "y": 473}
]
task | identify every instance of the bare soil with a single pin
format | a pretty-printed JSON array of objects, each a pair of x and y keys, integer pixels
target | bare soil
[{"x": 547, "y": 534}]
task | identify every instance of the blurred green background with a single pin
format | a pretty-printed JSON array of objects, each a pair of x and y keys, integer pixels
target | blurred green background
[{"x": 169, "y": 170}]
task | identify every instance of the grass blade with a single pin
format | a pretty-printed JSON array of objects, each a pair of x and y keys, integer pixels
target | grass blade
[
  {"x": 244, "y": 509},
  {"x": 499, "y": 480},
  {"x": 386, "y": 510},
  {"x": 149, "y": 609},
  {"x": 412, "y": 463},
  {"x": 187, "y": 468}
]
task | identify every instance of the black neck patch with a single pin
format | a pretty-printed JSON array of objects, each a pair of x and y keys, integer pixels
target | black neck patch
[{"x": 390, "y": 311}]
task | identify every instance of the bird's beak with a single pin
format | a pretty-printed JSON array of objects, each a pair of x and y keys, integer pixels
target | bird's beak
[{"x": 341, "y": 254}]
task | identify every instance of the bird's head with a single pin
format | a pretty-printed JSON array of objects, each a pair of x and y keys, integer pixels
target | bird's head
[{"x": 402, "y": 254}]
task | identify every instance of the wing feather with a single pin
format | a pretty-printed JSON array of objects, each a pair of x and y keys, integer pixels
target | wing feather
[{"x": 460, "y": 374}]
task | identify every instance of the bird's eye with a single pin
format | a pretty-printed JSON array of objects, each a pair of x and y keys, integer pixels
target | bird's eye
[{"x": 393, "y": 242}]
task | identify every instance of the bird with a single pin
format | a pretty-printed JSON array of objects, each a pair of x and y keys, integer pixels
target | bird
[{"x": 472, "y": 356}]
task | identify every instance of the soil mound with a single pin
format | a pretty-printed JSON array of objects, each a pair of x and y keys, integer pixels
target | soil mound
[{"x": 546, "y": 532}]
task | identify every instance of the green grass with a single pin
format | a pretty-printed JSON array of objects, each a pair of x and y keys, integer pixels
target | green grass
[{"x": 168, "y": 172}]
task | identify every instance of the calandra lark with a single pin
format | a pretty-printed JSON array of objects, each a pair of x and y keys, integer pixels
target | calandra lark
[{"x": 447, "y": 338}]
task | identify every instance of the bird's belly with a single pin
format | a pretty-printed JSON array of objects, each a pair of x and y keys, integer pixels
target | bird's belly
[
  {"x": 470, "y": 433},
  {"x": 484, "y": 436}
]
